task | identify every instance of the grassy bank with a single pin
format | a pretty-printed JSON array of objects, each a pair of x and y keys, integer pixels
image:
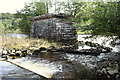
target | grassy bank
[{"x": 26, "y": 43}]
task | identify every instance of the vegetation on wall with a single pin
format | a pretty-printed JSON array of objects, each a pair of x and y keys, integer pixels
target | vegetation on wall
[
  {"x": 96, "y": 18},
  {"x": 30, "y": 10}
]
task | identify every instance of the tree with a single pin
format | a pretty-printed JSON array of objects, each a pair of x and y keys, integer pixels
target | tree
[
  {"x": 9, "y": 22},
  {"x": 106, "y": 20},
  {"x": 67, "y": 7},
  {"x": 30, "y": 10},
  {"x": 99, "y": 18}
]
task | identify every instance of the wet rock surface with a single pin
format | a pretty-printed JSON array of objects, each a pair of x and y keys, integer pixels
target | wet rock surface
[
  {"x": 71, "y": 66},
  {"x": 104, "y": 65},
  {"x": 9, "y": 71}
]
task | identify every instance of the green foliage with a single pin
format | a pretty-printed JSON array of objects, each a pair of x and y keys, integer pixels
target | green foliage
[
  {"x": 21, "y": 20},
  {"x": 98, "y": 18},
  {"x": 30, "y": 10},
  {"x": 106, "y": 19},
  {"x": 70, "y": 8},
  {"x": 9, "y": 22}
]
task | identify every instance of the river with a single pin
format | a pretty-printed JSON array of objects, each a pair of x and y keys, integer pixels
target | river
[
  {"x": 66, "y": 65},
  {"x": 100, "y": 40},
  {"x": 9, "y": 71}
]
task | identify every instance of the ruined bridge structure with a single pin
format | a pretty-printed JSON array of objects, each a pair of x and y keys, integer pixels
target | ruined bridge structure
[{"x": 53, "y": 27}]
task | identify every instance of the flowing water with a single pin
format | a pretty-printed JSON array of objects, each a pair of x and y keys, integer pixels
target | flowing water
[
  {"x": 63, "y": 65},
  {"x": 55, "y": 65},
  {"x": 9, "y": 71},
  {"x": 100, "y": 40},
  {"x": 16, "y": 35}
]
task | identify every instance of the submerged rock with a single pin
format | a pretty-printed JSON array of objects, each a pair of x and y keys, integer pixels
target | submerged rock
[{"x": 112, "y": 72}]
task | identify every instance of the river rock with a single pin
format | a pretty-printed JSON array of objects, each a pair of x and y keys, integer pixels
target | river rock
[
  {"x": 33, "y": 48},
  {"x": 12, "y": 54},
  {"x": 4, "y": 52},
  {"x": 19, "y": 52},
  {"x": 4, "y": 56},
  {"x": 13, "y": 50},
  {"x": 23, "y": 53},
  {"x": 112, "y": 72},
  {"x": 104, "y": 70},
  {"x": 44, "y": 51},
  {"x": 41, "y": 49},
  {"x": 102, "y": 54},
  {"x": 117, "y": 77},
  {"x": 9, "y": 51},
  {"x": 52, "y": 49}
]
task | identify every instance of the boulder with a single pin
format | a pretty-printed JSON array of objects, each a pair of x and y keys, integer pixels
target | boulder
[
  {"x": 13, "y": 50},
  {"x": 19, "y": 51},
  {"x": 12, "y": 54},
  {"x": 17, "y": 55},
  {"x": 4, "y": 56},
  {"x": 41, "y": 49},
  {"x": 51, "y": 49},
  {"x": 4, "y": 52},
  {"x": 23, "y": 53},
  {"x": 112, "y": 72}
]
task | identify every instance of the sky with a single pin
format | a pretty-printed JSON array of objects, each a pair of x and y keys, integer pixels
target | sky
[{"x": 12, "y": 6}]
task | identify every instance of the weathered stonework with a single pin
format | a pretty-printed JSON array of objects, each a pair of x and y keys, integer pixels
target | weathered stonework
[{"x": 53, "y": 27}]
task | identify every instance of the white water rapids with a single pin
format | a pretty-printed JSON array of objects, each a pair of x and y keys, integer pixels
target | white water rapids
[
  {"x": 48, "y": 69},
  {"x": 100, "y": 40},
  {"x": 39, "y": 67}
]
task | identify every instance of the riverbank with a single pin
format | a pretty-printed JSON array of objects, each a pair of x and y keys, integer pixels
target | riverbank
[
  {"x": 57, "y": 65},
  {"x": 60, "y": 61},
  {"x": 25, "y": 43}
]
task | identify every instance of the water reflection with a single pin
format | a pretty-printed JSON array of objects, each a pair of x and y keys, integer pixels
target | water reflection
[
  {"x": 8, "y": 71},
  {"x": 63, "y": 65},
  {"x": 16, "y": 35},
  {"x": 58, "y": 65}
]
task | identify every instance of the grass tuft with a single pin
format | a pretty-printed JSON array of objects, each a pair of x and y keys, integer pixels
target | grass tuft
[{"x": 26, "y": 43}]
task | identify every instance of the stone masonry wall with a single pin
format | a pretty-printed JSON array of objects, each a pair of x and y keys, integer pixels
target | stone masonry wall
[{"x": 53, "y": 28}]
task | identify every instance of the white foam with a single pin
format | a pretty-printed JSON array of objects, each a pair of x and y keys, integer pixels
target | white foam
[{"x": 39, "y": 68}]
